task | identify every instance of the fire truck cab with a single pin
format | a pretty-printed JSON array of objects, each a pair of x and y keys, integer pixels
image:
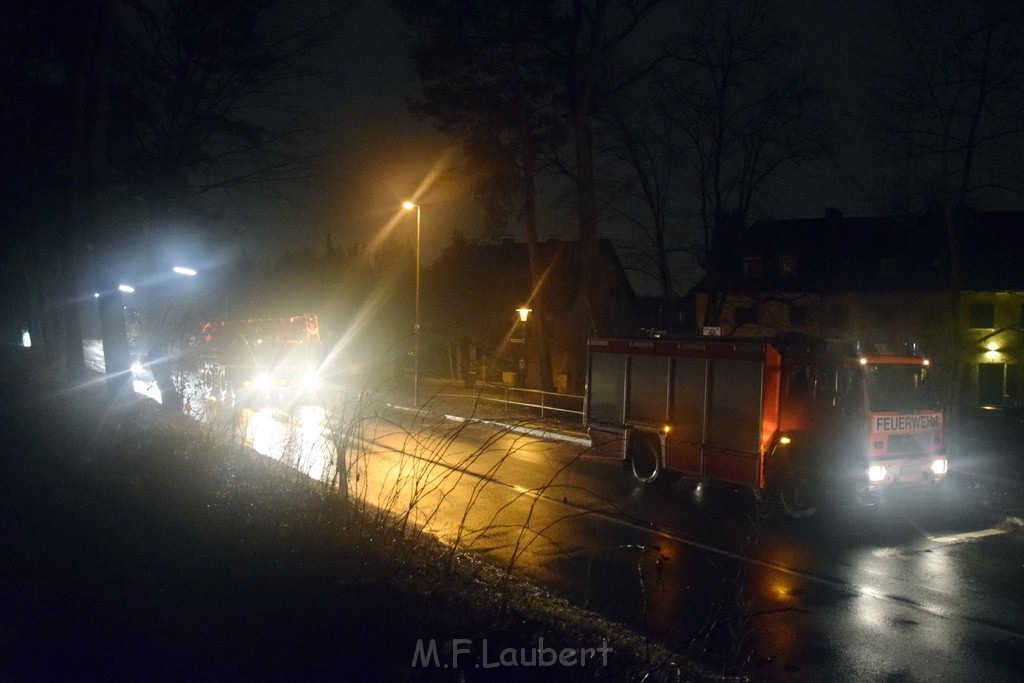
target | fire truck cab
[
  {"x": 261, "y": 358},
  {"x": 805, "y": 422}
]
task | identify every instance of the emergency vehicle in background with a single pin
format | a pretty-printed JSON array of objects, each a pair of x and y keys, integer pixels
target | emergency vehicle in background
[
  {"x": 799, "y": 420},
  {"x": 261, "y": 359}
]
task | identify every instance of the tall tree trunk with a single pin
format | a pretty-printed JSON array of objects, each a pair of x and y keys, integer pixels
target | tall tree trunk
[
  {"x": 538, "y": 269},
  {"x": 582, "y": 73},
  {"x": 116, "y": 356},
  {"x": 595, "y": 282},
  {"x": 155, "y": 332},
  {"x": 71, "y": 316},
  {"x": 89, "y": 201}
]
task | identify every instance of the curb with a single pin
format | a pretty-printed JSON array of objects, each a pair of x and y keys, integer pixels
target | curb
[{"x": 550, "y": 435}]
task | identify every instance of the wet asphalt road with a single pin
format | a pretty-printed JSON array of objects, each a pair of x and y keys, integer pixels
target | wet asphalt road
[{"x": 924, "y": 587}]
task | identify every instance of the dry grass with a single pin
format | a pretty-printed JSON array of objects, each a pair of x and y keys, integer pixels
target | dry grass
[{"x": 141, "y": 545}]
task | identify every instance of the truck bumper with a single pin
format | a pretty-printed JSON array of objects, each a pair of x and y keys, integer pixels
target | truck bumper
[{"x": 890, "y": 475}]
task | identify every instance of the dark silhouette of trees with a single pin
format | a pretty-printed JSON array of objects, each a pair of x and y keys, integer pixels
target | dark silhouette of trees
[
  {"x": 166, "y": 111},
  {"x": 595, "y": 35},
  {"x": 213, "y": 100},
  {"x": 945, "y": 104},
  {"x": 488, "y": 81},
  {"x": 695, "y": 115},
  {"x": 745, "y": 115}
]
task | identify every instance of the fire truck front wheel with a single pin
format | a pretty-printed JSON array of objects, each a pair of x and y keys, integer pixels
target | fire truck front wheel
[
  {"x": 798, "y": 492},
  {"x": 644, "y": 459}
]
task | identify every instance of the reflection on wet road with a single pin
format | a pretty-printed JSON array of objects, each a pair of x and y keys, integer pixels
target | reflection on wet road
[{"x": 922, "y": 589}]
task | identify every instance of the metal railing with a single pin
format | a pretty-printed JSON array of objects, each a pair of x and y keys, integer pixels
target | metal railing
[{"x": 549, "y": 403}]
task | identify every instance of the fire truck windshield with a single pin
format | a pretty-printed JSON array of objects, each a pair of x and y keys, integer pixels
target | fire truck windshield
[{"x": 900, "y": 388}]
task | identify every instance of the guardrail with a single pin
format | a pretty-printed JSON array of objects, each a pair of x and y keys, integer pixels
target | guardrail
[{"x": 547, "y": 402}]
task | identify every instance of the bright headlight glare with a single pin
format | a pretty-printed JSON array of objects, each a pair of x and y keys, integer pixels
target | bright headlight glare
[
  {"x": 940, "y": 466},
  {"x": 876, "y": 473},
  {"x": 310, "y": 380},
  {"x": 264, "y": 383},
  {"x": 137, "y": 368}
]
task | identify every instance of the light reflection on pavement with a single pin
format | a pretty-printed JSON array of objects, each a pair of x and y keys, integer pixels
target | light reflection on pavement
[
  {"x": 299, "y": 438},
  {"x": 142, "y": 379}
]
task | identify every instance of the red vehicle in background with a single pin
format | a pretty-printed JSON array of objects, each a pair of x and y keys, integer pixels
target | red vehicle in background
[
  {"x": 261, "y": 358},
  {"x": 801, "y": 421}
]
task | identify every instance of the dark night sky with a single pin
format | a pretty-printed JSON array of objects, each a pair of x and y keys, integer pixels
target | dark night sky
[
  {"x": 383, "y": 154},
  {"x": 379, "y": 153}
]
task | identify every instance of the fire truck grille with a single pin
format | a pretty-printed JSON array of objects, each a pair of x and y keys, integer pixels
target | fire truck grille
[{"x": 908, "y": 443}]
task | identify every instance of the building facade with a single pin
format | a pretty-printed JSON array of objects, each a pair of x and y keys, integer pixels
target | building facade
[{"x": 885, "y": 281}]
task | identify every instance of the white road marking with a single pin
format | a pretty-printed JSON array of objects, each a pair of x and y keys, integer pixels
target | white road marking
[{"x": 1006, "y": 527}]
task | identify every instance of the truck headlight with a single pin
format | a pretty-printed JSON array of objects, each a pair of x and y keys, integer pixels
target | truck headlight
[
  {"x": 310, "y": 381},
  {"x": 940, "y": 466},
  {"x": 264, "y": 383},
  {"x": 876, "y": 473}
]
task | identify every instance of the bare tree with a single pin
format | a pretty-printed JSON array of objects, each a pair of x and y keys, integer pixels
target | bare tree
[
  {"x": 213, "y": 98},
  {"x": 745, "y": 115},
  {"x": 946, "y": 103},
  {"x": 646, "y": 183},
  {"x": 488, "y": 81},
  {"x": 595, "y": 34}
]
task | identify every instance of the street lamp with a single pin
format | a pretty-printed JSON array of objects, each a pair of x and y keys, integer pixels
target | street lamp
[
  {"x": 524, "y": 315},
  {"x": 408, "y": 206}
]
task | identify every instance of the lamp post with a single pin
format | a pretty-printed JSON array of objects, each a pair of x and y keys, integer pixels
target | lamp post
[
  {"x": 524, "y": 315},
  {"x": 408, "y": 206}
]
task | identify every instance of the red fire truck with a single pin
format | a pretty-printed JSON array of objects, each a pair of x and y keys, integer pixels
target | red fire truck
[
  {"x": 801, "y": 420},
  {"x": 261, "y": 358}
]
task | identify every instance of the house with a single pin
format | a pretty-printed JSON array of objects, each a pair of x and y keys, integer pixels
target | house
[
  {"x": 472, "y": 293},
  {"x": 885, "y": 280}
]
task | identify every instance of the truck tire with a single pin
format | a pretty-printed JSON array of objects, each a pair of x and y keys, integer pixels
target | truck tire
[
  {"x": 798, "y": 492},
  {"x": 644, "y": 459}
]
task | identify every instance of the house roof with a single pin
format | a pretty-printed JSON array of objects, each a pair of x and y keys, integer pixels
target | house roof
[
  {"x": 885, "y": 253},
  {"x": 992, "y": 253},
  {"x": 496, "y": 276}
]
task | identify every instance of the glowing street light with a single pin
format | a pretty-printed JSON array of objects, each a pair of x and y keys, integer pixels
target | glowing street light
[
  {"x": 524, "y": 313},
  {"x": 182, "y": 270},
  {"x": 408, "y": 206},
  {"x": 127, "y": 289}
]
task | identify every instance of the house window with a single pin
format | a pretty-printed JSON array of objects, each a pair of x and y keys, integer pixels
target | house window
[
  {"x": 753, "y": 266},
  {"x": 983, "y": 316},
  {"x": 745, "y": 315},
  {"x": 797, "y": 316}
]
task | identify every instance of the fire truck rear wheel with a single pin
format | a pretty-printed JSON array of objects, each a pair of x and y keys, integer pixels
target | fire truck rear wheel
[{"x": 645, "y": 459}]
